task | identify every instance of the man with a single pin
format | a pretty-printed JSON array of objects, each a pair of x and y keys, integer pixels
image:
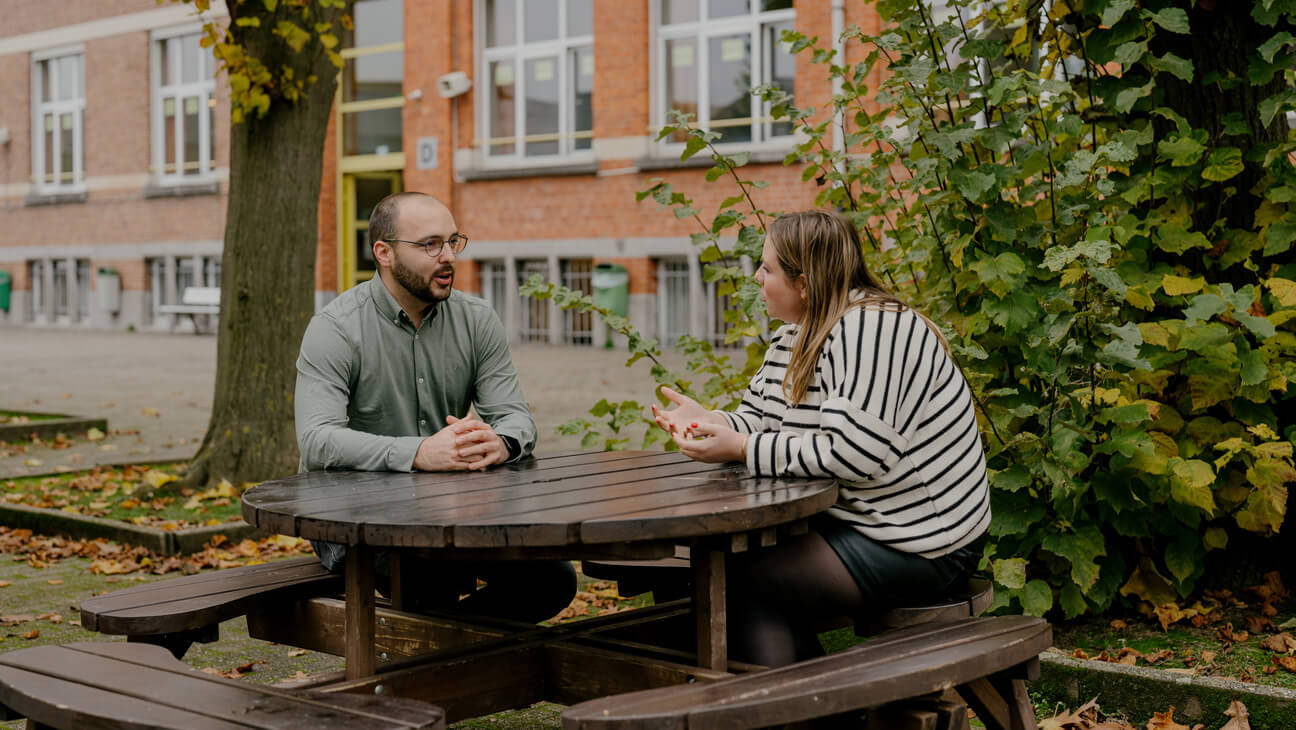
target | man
[{"x": 385, "y": 378}]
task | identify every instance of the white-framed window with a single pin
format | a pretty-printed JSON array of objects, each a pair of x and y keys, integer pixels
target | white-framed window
[
  {"x": 709, "y": 55},
  {"x": 183, "y": 106},
  {"x": 537, "y": 78},
  {"x": 673, "y": 300},
  {"x": 494, "y": 287},
  {"x": 58, "y": 120}
]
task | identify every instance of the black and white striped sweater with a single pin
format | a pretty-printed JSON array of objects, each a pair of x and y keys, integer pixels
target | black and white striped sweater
[{"x": 890, "y": 415}]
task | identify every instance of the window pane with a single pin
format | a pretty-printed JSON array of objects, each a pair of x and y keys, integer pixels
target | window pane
[
  {"x": 583, "y": 101},
  {"x": 373, "y": 77},
  {"x": 503, "y": 111},
  {"x": 541, "y": 20},
  {"x": 782, "y": 69},
  {"x": 66, "y": 124},
  {"x": 681, "y": 79},
  {"x": 580, "y": 17},
  {"x": 501, "y": 22},
  {"x": 776, "y": 4},
  {"x": 730, "y": 86},
  {"x": 378, "y": 22},
  {"x": 376, "y": 132},
  {"x": 542, "y": 104},
  {"x": 191, "y": 140},
  {"x": 46, "y": 80},
  {"x": 169, "y": 135},
  {"x": 211, "y": 132},
  {"x": 50, "y": 149},
  {"x": 727, "y": 8},
  {"x": 166, "y": 51},
  {"x": 679, "y": 11},
  {"x": 69, "y": 80},
  {"x": 189, "y": 59},
  {"x": 60, "y": 288}
]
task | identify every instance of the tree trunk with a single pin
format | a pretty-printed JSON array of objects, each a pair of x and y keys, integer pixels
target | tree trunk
[{"x": 268, "y": 266}]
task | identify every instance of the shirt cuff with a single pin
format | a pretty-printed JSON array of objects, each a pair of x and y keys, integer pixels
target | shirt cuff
[
  {"x": 401, "y": 453},
  {"x": 514, "y": 448}
]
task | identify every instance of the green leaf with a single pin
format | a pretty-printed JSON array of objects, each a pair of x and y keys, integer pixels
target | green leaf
[
  {"x": 1130, "y": 52},
  {"x": 1176, "y": 285},
  {"x": 248, "y": 22},
  {"x": 1203, "y": 307},
  {"x": 1010, "y": 573},
  {"x": 1261, "y": 326},
  {"x": 692, "y": 147},
  {"x": 1037, "y": 597},
  {"x": 270, "y": 5},
  {"x": 1182, "y": 150},
  {"x": 1071, "y": 599},
  {"x": 1174, "y": 20},
  {"x": 1181, "y": 68},
  {"x": 1191, "y": 484},
  {"x": 1184, "y": 555},
  {"x": 1270, "y": 48},
  {"x": 1215, "y": 538},
  {"x": 1254, "y": 369},
  {"x": 1127, "y": 98},
  {"x": 1222, "y": 164},
  {"x": 1081, "y": 548},
  {"x": 972, "y": 183},
  {"x": 1278, "y": 238},
  {"x": 1116, "y": 10}
]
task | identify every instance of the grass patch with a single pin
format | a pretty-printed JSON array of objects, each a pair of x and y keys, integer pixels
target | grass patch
[
  {"x": 17, "y": 418},
  {"x": 119, "y": 494}
]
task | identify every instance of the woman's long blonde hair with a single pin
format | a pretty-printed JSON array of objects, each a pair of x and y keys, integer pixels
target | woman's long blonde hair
[{"x": 825, "y": 248}]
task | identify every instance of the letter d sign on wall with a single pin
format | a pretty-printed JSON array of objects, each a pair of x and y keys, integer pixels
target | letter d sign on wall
[{"x": 427, "y": 153}]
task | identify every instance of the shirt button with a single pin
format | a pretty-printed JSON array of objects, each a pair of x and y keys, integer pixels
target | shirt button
[
  {"x": 396, "y": 321},
  {"x": 422, "y": 422},
  {"x": 420, "y": 381}
]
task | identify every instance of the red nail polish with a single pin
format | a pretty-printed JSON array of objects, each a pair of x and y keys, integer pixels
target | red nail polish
[{"x": 692, "y": 425}]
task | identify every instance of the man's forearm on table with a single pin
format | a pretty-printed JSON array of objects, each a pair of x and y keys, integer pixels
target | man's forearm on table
[{"x": 334, "y": 447}]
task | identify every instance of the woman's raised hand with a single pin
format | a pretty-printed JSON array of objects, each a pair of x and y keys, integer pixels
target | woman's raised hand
[
  {"x": 685, "y": 416},
  {"x": 711, "y": 443}
]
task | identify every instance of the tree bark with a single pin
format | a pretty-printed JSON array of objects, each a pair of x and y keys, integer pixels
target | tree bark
[{"x": 268, "y": 264}]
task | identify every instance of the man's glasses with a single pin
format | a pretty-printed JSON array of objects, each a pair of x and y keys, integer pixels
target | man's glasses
[{"x": 432, "y": 246}]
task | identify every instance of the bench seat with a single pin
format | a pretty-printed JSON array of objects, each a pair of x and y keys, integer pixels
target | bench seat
[
  {"x": 984, "y": 659},
  {"x": 116, "y": 685},
  {"x": 176, "y": 612}
]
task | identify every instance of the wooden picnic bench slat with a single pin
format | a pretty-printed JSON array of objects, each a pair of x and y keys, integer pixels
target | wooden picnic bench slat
[
  {"x": 896, "y": 666},
  {"x": 134, "y": 686},
  {"x": 196, "y": 601}
]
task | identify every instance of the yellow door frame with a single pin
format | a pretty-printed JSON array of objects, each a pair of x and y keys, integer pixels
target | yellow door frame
[{"x": 349, "y": 272}]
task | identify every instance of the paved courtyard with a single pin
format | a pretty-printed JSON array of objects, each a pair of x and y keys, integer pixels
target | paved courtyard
[{"x": 156, "y": 390}]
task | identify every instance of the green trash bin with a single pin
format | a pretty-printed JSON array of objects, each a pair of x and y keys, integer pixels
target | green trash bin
[
  {"x": 4, "y": 290},
  {"x": 612, "y": 288}
]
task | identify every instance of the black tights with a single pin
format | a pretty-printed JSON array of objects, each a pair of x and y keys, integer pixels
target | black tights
[{"x": 778, "y": 594}]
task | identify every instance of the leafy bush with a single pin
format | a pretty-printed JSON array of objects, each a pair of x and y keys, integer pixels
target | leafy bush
[{"x": 1113, "y": 263}]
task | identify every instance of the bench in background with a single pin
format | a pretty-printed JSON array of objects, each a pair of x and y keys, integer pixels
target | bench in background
[
  {"x": 115, "y": 685},
  {"x": 196, "y": 300}
]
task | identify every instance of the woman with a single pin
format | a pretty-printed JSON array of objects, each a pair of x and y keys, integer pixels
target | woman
[{"x": 859, "y": 387}]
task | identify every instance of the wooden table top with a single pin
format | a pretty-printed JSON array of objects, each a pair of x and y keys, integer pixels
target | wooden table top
[{"x": 593, "y": 498}]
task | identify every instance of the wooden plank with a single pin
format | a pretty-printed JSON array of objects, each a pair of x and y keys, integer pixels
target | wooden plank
[
  {"x": 575, "y": 673},
  {"x": 397, "y": 580},
  {"x": 359, "y": 612},
  {"x": 907, "y": 663},
  {"x": 149, "y": 676},
  {"x": 464, "y": 686},
  {"x": 319, "y": 624},
  {"x": 709, "y": 602}
]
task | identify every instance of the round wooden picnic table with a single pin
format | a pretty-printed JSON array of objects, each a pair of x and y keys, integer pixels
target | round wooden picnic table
[{"x": 626, "y": 504}]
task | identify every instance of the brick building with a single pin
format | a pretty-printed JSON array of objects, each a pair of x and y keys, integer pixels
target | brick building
[{"x": 534, "y": 120}]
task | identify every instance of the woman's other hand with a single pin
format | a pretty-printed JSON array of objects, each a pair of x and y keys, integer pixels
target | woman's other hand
[
  {"x": 686, "y": 413},
  {"x": 710, "y": 443}
]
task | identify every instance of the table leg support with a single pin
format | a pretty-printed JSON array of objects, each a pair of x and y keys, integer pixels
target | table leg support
[
  {"x": 359, "y": 612},
  {"x": 709, "y": 602}
]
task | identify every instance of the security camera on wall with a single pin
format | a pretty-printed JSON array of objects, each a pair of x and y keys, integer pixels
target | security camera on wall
[{"x": 453, "y": 84}]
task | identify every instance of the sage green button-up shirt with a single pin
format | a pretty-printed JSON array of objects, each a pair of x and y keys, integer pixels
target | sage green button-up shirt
[{"x": 371, "y": 387}]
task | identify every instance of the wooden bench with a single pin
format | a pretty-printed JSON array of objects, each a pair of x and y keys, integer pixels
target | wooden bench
[
  {"x": 986, "y": 661},
  {"x": 195, "y": 300},
  {"x": 115, "y": 685},
  {"x": 670, "y": 578},
  {"x": 177, "y": 612}
]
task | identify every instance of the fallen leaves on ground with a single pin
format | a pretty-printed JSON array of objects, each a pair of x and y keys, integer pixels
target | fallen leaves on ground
[
  {"x": 1090, "y": 717},
  {"x": 108, "y": 558},
  {"x": 234, "y": 673},
  {"x": 598, "y": 599}
]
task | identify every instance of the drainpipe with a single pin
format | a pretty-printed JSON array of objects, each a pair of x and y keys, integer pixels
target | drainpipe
[{"x": 839, "y": 116}]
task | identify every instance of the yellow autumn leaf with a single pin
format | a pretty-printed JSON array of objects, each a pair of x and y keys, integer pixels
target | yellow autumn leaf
[
  {"x": 94, "y": 434},
  {"x": 33, "y": 462},
  {"x": 1284, "y": 290},
  {"x": 225, "y": 489},
  {"x": 157, "y": 479},
  {"x": 99, "y": 505},
  {"x": 192, "y": 504},
  {"x": 1176, "y": 285}
]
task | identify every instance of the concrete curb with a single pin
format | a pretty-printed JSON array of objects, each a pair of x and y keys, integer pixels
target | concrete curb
[
  {"x": 1140, "y": 691},
  {"x": 165, "y": 542},
  {"x": 47, "y": 429}
]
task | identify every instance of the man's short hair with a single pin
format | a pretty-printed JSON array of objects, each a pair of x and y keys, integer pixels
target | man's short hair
[{"x": 385, "y": 216}]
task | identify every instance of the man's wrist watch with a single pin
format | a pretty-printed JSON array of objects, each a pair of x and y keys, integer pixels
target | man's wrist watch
[{"x": 514, "y": 448}]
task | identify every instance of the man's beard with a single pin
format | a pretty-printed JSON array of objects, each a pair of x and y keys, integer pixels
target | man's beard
[{"x": 421, "y": 289}]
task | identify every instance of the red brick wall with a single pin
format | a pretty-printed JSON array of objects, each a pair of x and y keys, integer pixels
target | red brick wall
[
  {"x": 621, "y": 74},
  {"x": 27, "y": 17},
  {"x": 15, "y": 113},
  {"x": 117, "y": 135}
]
